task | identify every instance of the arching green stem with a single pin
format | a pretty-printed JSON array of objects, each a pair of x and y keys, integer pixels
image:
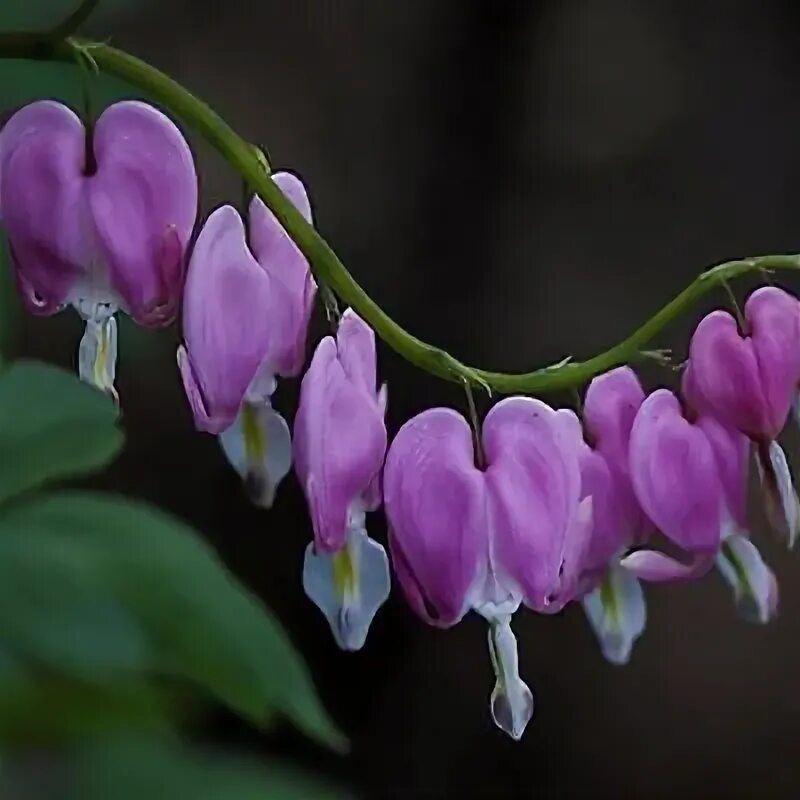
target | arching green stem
[{"x": 327, "y": 267}]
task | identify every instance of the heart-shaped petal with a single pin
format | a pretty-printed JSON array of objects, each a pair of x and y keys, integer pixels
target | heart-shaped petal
[
  {"x": 340, "y": 442},
  {"x": 435, "y": 502},
  {"x": 675, "y": 475},
  {"x": 226, "y": 326}
]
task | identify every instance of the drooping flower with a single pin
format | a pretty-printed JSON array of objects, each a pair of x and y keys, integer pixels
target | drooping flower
[
  {"x": 249, "y": 295},
  {"x": 614, "y": 603},
  {"x": 99, "y": 220},
  {"x": 339, "y": 448},
  {"x": 488, "y": 537},
  {"x": 676, "y": 480},
  {"x": 690, "y": 478},
  {"x": 754, "y": 586},
  {"x": 748, "y": 381}
]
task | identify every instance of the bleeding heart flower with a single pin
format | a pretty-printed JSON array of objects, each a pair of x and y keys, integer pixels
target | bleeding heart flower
[
  {"x": 614, "y": 602},
  {"x": 339, "y": 447},
  {"x": 748, "y": 381},
  {"x": 246, "y": 311},
  {"x": 677, "y": 482},
  {"x": 487, "y": 537},
  {"x": 99, "y": 220}
]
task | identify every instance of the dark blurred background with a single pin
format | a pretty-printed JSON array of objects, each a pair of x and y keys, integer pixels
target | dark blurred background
[{"x": 514, "y": 181}]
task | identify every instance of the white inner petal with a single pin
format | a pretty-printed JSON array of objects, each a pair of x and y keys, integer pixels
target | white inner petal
[
  {"x": 617, "y": 612},
  {"x": 511, "y": 701},
  {"x": 259, "y": 447},
  {"x": 97, "y": 352},
  {"x": 780, "y": 497},
  {"x": 348, "y": 586},
  {"x": 754, "y": 588}
]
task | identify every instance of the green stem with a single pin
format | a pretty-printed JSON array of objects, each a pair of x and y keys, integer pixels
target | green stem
[{"x": 325, "y": 264}]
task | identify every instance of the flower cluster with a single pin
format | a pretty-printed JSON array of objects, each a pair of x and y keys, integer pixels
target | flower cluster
[{"x": 537, "y": 507}]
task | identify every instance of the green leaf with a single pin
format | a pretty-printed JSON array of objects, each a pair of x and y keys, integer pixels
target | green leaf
[
  {"x": 204, "y": 625},
  {"x": 40, "y": 708},
  {"x": 132, "y": 771},
  {"x": 51, "y": 426},
  {"x": 54, "y": 614}
]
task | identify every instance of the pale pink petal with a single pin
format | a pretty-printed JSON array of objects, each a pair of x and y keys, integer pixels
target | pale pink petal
[
  {"x": 295, "y": 287},
  {"x": 675, "y": 474},
  {"x": 339, "y": 445},
  {"x": 774, "y": 319},
  {"x": 42, "y": 164},
  {"x": 534, "y": 486},
  {"x": 144, "y": 205},
  {"x": 723, "y": 377},
  {"x": 225, "y": 322},
  {"x": 435, "y": 502},
  {"x": 656, "y": 567}
]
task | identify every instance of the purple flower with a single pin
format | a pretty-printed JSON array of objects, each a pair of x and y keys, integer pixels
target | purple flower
[
  {"x": 486, "y": 539},
  {"x": 748, "y": 381},
  {"x": 98, "y": 220},
  {"x": 614, "y": 602},
  {"x": 738, "y": 560},
  {"x": 677, "y": 482},
  {"x": 339, "y": 447},
  {"x": 690, "y": 478},
  {"x": 249, "y": 295}
]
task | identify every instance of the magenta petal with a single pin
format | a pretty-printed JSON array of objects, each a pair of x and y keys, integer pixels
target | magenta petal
[
  {"x": 675, "y": 475},
  {"x": 608, "y": 531},
  {"x": 144, "y": 203},
  {"x": 356, "y": 344},
  {"x": 294, "y": 286},
  {"x": 774, "y": 318},
  {"x": 226, "y": 323},
  {"x": 609, "y": 410},
  {"x": 194, "y": 395},
  {"x": 732, "y": 453},
  {"x": 611, "y": 404},
  {"x": 436, "y": 508},
  {"x": 42, "y": 159},
  {"x": 650, "y": 565},
  {"x": 726, "y": 378},
  {"x": 534, "y": 487},
  {"x": 339, "y": 445}
]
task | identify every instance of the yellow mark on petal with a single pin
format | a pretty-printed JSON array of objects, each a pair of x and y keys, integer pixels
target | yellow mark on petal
[
  {"x": 344, "y": 573},
  {"x": 101, "y": 357},
  {"x": 608, "y": 597},
  {"x": 103, "y": 360},
  {"x": 255, "y": 440}
]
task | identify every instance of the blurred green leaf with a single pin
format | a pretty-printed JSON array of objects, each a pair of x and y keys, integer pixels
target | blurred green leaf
[
  {"x": 203, "y": 625},
  {"x": 134, "y": 772},
  {"x": 39, "y": 707},
  {"x": 51, "y": 426},
  {"x": 54, "y": 614}
]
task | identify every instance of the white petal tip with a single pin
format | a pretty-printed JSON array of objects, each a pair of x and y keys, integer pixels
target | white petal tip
[
  {"x": 617, "y": 613},
  {"x": 755, "y": 590},
  {"x": 350, "y": 597},
  {"x": 511, "y": 702},
  {"x": 259, "y": 447},
  {"x": 780, "y": 497},
  {"x": 512, "y": 717}
]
